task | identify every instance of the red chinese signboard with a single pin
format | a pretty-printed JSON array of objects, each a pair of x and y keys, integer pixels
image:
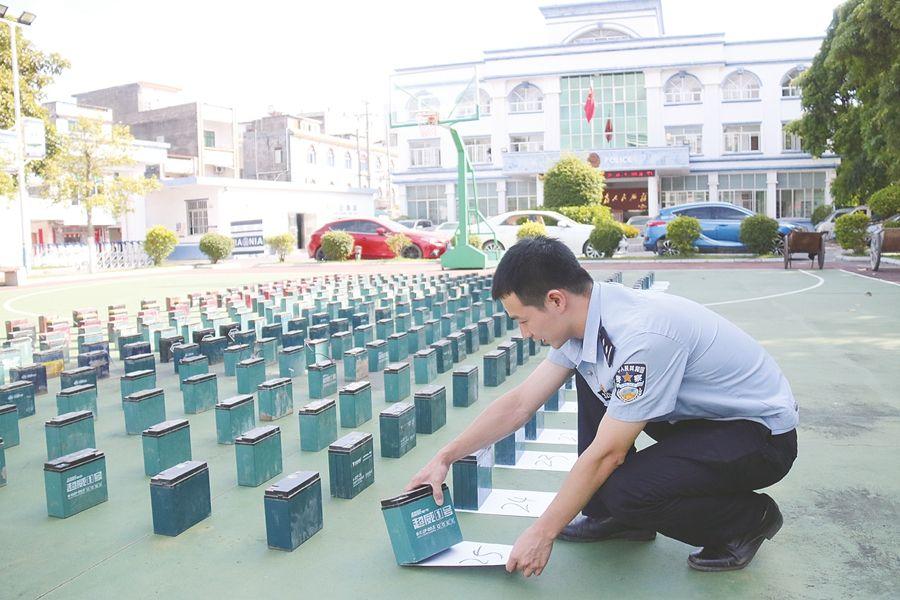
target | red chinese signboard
[
  {"x": 630, "y": 199},
  {"x": 635, "y": 173}
]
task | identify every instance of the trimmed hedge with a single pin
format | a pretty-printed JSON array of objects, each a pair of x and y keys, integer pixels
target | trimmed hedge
[
  {"x": 572, "y": 182},
  {"x": 885, "y": 203},
  {"x": 590, "y": 214},
  {"x": 397, "y": 242},
  {"x": 605, "y": 237},
  {"x": 337, "y": 245},
  {"x": 820, "y": 213},
  {"x": 682, "y": 232},
  {"x": 160, "y": 243},
  {"x": 282, "y": 245},
  {"x": 629, "y": 231},
  {"x": 531, "y": 229},
  {"x": 850, "y": 231},
  {"x": 216, "y": 246},
  {"x": 759, "y": 233}
]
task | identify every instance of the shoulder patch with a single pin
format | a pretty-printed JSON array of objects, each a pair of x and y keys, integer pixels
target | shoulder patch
[
  {"x": 630, "y": 381},
  {"x": 609, "y": 350}
]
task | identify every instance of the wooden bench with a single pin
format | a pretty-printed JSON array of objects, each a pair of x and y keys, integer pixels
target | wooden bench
[
  {"x": 883, "y": 240},
  {"x": 807, "y": 242}
]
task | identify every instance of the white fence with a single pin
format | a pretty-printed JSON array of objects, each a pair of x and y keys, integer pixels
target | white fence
[{"x": 110, "y": 255}]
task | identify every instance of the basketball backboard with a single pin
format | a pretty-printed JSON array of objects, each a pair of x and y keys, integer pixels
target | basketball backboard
[{"x": 439, "y": 95}]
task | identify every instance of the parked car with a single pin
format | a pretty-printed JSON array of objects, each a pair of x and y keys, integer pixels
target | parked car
[
  {"x": 872, "y": 228},
  {"x": 446, "y": 230},
  {"x": 827, "y": 225},
  {"x": 417, "y": 224},
  {"x": 720, "y": 224},
  {"x": 371, "y": 235},
  {"x": 639, "y": 222},
  {"x": 572, "y": 234}
]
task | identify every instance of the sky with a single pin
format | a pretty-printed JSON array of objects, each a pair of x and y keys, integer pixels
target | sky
[{"x": 311, "y": 55}]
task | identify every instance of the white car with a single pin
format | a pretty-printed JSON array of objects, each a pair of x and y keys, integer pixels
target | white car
[
  {"x": 572, "y": 234},
  {"x": 827, "y": 226}
]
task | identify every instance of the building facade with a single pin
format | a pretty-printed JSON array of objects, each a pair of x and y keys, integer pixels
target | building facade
[{"x": 676, "y": 119}]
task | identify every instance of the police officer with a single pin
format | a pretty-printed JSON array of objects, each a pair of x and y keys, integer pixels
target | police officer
[{"x": 718, "y": 407}]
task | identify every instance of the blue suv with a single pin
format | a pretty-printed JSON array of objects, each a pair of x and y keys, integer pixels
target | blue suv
[{"x": 720, "y": 224}]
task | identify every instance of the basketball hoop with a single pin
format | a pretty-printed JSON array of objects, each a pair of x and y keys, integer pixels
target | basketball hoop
[{"x": 428, "y": 123}]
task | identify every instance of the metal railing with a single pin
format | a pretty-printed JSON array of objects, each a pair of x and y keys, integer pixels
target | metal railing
[{"x": 110, "y": 255}]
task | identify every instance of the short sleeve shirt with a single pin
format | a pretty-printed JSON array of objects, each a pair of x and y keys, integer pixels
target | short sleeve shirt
[{"x": 652, "y": 356}]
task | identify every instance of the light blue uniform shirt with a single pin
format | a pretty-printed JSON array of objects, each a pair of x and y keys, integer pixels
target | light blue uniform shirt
[{"x": 651, "y": 356}]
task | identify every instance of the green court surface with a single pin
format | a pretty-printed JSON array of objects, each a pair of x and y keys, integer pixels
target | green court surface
[{"x": 836, "y": 336}]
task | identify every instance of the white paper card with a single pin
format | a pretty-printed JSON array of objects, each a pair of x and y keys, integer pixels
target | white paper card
[
  {"x": 469, "y": 554},
  {"x": 543, "y": 461},
  {"x": 515, "y": 503}
]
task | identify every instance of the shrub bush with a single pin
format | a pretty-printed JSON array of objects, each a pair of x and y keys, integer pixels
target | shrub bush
[
  {"x": 850, "y": 231},
  {"x": 892, "y": 224},
  {"x": 605, "y": 237},
  {"x": 572, "y": 182},
  {"x": 337, "y": 245},
  {"x": 885, "y": 203},
  {"x": 629, "y": 231},
  {"x": 160, "y": 243},
  {"x": 530, "y": 230},
  {"x": 216, "y": 246},
  {"x": 682, "y": 232},
  {"x": 590, "y": 214},
  {"x": 397, "y": 242},
  {"x": 282, "y": 245},
  {"x": 820, "y": 213},
  {"x": 759, "y": 233}
]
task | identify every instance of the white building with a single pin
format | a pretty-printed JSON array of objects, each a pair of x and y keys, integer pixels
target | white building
[{"x": 677, "y": 119}]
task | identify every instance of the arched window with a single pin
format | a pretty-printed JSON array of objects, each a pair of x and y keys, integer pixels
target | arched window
[
  {"x": 683, "y": 89},
  {"x": 741, "y": 85},
  {"x": 599, "y": 34},
  {"x": 330, "y": 157},
  {"x": 348, "y": 161},
  {"x": 526, "y": 97},
  {"x": 466, "y": 104},
  {"x": 311, "y": 155},
  {"x": 789, "y": 86}
]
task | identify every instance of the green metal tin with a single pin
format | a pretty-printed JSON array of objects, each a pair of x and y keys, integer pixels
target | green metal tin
[
  {"x": 532, "y": 347},
  {"x": 79, "y": 376},
  {"x": 293, "y": 508},
  {"x": 416, "y": 339},
  {"x": 463, "y": 317},
  {"x": 143, "y": 409},
  {"x": 20, "y": 393},
  {"x": 338, "y": 325},
  {"x": 444, "y": 355},
  {"x": 521, "y": 349},
  {"x": 75, "y": 398},
  {"x": 276, "y": 398},
  {"x": 509, "y": 350},
  {"x": 508, "y": 450},
  {"x": 140, "y": 362},
  {"x": 319, "y": 332},
  {"x": 9, "y": 424},
  {"x": 378, "y": 355},
  {"x": 258, "y": 455},
  {"x": 420, "y": 315},
  {"x": 180, "y": 497},
  {"x": 233, "y": 355},
  {"x": 165, "y": 346},
  {"x": 384, "y": 328},
  {"x": 402, "y": 322},
  {"x": 340, "y": 343},
  {"x": 75, "y": 482},
  {"x": 396, "y": 382},
  {"x": 291, "y": 361},
  {"x": 535, "y": 425},
  {"x": 494, "y": 368},
  {"x": 355, "y": 400},
  {"x": 497, "y": 323},
  {"x": 485, "y": 332},
  {"x": 351, "y": 465},
  {"x": 69, "y": 433},
  {"x": 322, "y": 379},
  {"x": 397, "y": 429},
  {"x": 425, "y": 366},
  {"x": 362, "y": 335},
  {"x": 398, "y": 346},
  {"x": 213, "y": 348},
  {"x": 250, "y": 373},
  {"x": 318, "y": 425},
  {"x": 136, "y": 381},
  {"x": 472, "y": 480},
  {"x": 191, "y": 366},
  {"x": 199, "y": 393},
  {"x": 553, "y": 401},
  {"x": 234, "y": 416},
  {"x": 465, "y": 385},
  {"x": 272, "y": 330},
  {"x": 316, "y": 350},
  {"x": 473, "y": 341},
  {"x": 457, "y": 342},
  {"x": 431, "y": 408},
  {"x": 356, "y": 364},
  {"x": 126, "y": 345},
  {"x": 267, "y": 348},
  {"x": 418, "y": 527},
  {"x": 180, "y": 352},
  {"x": 448, "y": 325}
]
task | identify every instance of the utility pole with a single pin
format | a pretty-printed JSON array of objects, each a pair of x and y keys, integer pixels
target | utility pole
[
  {"x": 368, "y": 151},
  {"x": 358, "y": 161}
]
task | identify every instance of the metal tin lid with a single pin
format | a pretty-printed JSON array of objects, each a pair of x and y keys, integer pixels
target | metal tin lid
[
  {"x": 102, "y": 353},
  {"x": 257, "y": 434},
  {"x": 249, "y": 362},
  {"x": 365, "y": 327},
  {"x": 77, "y": 389},
  {"x": 188, "y": 346},
  {"x": 180, "y": 472},
  {"x": 234, "y": 401},
  {"x": 136, "y": 357},
  {"x": 517, "y": 338},
  {"x": 440, "y": 344},
  {"x": 8, "y": 408},
  {"x": 423, "y": 491},
  {"x": 495, "y": 354},
  {"x": 143, "y": 395},
  {"x": 165, "y": 428},
  {"x": 134, "y": 344},
  {"x": 199, "y": 378},
  {"x": 355, "y": 387},
  {"x": 316, "y": 407},
  {"x": 397, "y": 336},
  {"x": 487, "y": 321},
  {"x": 355, "y": 351},
  {"x": 322, "y": 365},
  {"x": 138, "y": 374},
  {"x": 477, "y": 457},
  {"x": 506, "y": 345},
  {"x": 292, "y": 485},
  {"x": 456, "y": 335},
  {"x": 386, "y": 320},
  {"x": 398, "y": 409},
  {"x": 266, "y": 340},
  {"x": 236, "y": 348},
  {"x": 77, "y": 371},
  {"x": 425, "y": 352},
  {"x": 10, "y": 387},
  {"x": 375, "y": 344},
  {"x": 340, "y": 334},
  {"x": 316, "y": 341},
  {"x": 69, "y": 418},
  {"x": 396, "y": 367},
  {"x": 350, "y": 442},
  {"x": 465, "y": 370},
  {"x": 169, "y": 338},
  {"x": 70, "y": 461},
  {"x": 429, "y": 391},
  {"x": 292, "y": 349},
  {"x": 473, "y": 328},
  {"x": 274, "y": 383},
  {"x": 214, "y": 338}
]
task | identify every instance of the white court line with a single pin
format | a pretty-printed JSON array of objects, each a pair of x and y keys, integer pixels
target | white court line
[
  {"x": 806, "y": 289},
  {"x": 8, "y": 304},
  {"x": 869, "y": 277}
]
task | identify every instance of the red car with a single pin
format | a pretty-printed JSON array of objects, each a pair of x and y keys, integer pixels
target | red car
[{"x": 371, "y": 234}]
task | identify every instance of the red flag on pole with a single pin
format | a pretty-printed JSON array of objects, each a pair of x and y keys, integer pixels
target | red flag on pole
[
  {"x": 589, "y": 105},
  {"x": 609, "y": 130}
]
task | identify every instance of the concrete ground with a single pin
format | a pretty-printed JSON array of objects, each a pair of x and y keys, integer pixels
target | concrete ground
[{"x": 834, "y": 333}]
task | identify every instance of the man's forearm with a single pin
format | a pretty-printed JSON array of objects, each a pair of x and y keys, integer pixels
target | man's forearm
[{"x": 501, "y": 418}]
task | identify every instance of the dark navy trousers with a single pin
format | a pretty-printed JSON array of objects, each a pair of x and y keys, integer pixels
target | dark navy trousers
[{"x": 697, "y": 483}]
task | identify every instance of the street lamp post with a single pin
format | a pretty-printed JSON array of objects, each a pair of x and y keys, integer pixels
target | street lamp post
[{"x": 26, "y": 18}]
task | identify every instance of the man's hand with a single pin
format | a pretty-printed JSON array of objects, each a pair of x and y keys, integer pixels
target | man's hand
[
  {"x": 434, "y": 474},
  {"x": 531, "y": 552}
]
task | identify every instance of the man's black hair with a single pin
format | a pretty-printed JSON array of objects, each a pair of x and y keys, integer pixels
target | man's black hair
[{"x": 534, "y": 266}]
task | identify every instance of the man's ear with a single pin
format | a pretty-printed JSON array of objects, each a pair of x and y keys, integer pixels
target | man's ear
[{"x": 556, "y": 300}]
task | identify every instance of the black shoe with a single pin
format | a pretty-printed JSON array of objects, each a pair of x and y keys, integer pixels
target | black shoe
[
  {"x": 589, "y": 529},
  {"x": 738, "y": 553}
]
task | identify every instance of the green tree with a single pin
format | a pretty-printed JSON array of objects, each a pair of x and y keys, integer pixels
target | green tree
[
  {"x": 216, "y": 246},
  {"x": 282, "y": 244},
  {"x": 573, "y": 182},
  {"x": 160, "y": 243},
  {"x": 851, "y": 98},
  {"x": 87, "y": 171}
]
